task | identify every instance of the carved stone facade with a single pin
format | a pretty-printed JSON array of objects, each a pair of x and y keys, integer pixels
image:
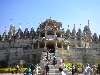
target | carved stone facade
[{"x": 81, "y": 46}]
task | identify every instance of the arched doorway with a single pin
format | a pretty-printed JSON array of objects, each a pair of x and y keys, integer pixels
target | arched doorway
[{"x": 50, "y": 46}]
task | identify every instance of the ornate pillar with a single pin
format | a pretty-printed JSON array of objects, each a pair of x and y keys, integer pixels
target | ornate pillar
[
  {"x": 39, "y": 34},
  {"x": 90, "y": 43},
  {"x": 62, "y": 46},
  {"x": 56, "y": 44},
  {"x": 38, "y": 45},
  {"x": 61, "y": 35},
  {"x": 68, "y": 47},
  {"x": 55, "y": 32},
  {"x": 45, "y": 33},
  {"x": 45, "y": 45},
  {"x": 32, "y": 45}
]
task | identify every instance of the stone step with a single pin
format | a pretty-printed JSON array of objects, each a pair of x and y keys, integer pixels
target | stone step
[
  {"x": 50, "y": 74},
  {"x": 53, "y": 70},
  {"x": 56, "y": 73},
  {"x": 51, "y": 61}
]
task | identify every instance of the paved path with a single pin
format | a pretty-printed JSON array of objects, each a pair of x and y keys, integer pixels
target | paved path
[
  {"x": 10, "y": 74},
  {"x": 20, "y": 74}
]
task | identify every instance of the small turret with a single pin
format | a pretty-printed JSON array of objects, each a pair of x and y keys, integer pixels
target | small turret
[
  {"x": 27, "y": 25},
  {"x": 74, "y": 32}
]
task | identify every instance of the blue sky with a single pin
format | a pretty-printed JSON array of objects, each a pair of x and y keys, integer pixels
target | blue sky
[{"x": 69, "y": 12}]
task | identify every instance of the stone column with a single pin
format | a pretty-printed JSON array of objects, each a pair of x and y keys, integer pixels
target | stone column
[
  {"x": 55, "y": 35},
  {"x": 39, "y": 34},
  {"x": 61, "y": 35},
  {"x": 45, "y": 45},
  {"x": 62, "y": 46},
  {"x": 68, "y": 47},
  {"x": 32, "y": 45},
  {"x": 38, "y": 45},
  {"x": 56, "y": 44},
  {"x": 45, "y": 33},
  {"x": 90, "y": 44},
  {"x": 55, "y": 32}
]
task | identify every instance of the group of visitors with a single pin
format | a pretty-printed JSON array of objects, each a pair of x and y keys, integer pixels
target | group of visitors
[
  {"x": 94, "y": 70},
  {"x": 32, "y": 70},
  {"x": 47, "y": 57},
  {"x": 46, "y": 70},
  {"x": 87, "y": 70}
]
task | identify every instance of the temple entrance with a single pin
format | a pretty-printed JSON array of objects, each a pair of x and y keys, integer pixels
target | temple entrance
[{"x": 51, "y": 47}]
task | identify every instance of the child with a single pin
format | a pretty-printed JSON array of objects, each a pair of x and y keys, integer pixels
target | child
[
  {"x": 43, "y": 72},
  {"x": 28, "y": 71}
]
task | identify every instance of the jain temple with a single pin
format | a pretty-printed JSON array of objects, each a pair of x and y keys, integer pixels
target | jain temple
[{"x": 23, "y": 47}]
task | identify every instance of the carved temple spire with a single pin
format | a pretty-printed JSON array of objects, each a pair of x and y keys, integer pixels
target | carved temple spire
[
  {"x": 27, "y": 25},
  {"x": 11, "y": 23},
  {"x": 5, "y": 29},
  {"x": 20, "y": 25}
]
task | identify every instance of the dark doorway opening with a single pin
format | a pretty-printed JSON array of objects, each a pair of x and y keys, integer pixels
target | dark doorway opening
[{"x": 51, "y": 47}]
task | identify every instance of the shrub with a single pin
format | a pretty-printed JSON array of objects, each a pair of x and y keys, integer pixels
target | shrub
[
  {"x": 68, "y": 64},
  {"x": 79, "y": 65},
  {"x": 11, "y": 70}
]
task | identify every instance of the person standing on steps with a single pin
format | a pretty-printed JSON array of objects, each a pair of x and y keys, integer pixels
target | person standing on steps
[
  {"x": 17, "y": 67},
  {"x": 47, "y": 54},
  {"x": 54, "y": 60},
  {"x": 73, "y": 69},
  {"x": 61, "y": 71},
  {"x": 47, "y": 69},
  {"x": 32, "y": 69},
  {"x": 88, "y": 70}
]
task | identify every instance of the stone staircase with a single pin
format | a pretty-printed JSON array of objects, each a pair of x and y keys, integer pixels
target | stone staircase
[{"x": 53, "y": 69}]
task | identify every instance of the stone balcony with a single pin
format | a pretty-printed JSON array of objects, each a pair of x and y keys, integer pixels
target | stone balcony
[
  {"x": 50, "y": 28},
  {"x": 40, "y": 30},
  {"x": 48, "y": 37}
]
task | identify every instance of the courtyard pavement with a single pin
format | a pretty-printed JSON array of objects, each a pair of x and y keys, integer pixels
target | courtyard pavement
[
  {"x": 20, "y": 74},
  {"x": 11, "y": 74}
]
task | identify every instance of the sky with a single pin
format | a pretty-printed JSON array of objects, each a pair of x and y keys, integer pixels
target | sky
[{"x": 33, "y": 12}]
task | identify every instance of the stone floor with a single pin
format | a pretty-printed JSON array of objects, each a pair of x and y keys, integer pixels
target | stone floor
[{"x": 20, "y": 74}]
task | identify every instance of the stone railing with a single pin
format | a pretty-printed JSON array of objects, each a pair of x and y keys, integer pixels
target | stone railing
[
  {"x": 60, "y": 30},
  {"x": 40, "y": 30},
  {"x": 40, "y": 38},
  {"x": 60, "y": 39},
  {"x": 50, "y": 36},
  {"x": 35, "y": 40},
  {"x": 48, "y": 28}
]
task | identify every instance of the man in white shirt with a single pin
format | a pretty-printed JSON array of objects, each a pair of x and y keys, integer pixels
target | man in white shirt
[
  {"x": 61, "y": 71},
  {"x": 88, "y": 70}
]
